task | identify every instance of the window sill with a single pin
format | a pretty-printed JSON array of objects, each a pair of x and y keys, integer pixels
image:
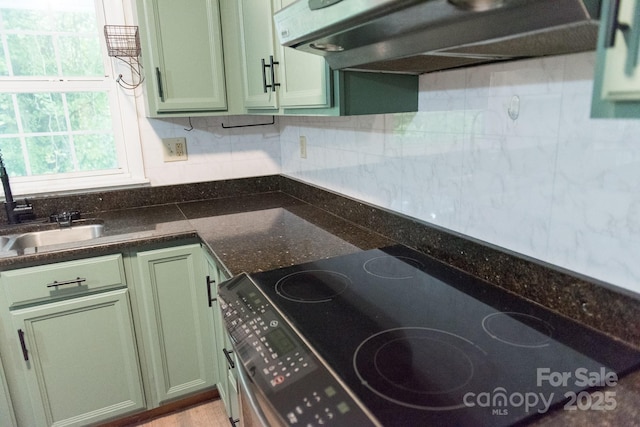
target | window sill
[{"x": 59, "y": 187}]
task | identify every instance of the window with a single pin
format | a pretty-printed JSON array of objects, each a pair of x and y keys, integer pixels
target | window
[{"x": 61, "y": 125}]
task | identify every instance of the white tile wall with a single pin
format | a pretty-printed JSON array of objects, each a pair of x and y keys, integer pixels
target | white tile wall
[
  {"x": 214, "y": 153},
  {"x": 552, "y": 184}
]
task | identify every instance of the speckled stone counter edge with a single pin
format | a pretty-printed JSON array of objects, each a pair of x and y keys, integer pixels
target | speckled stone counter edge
[
  {"x": 150, "y": 196},
  {"x": 599, "y": 305}
]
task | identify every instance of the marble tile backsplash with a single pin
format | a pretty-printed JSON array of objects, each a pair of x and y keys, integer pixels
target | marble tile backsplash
[
  {"x": 545, "y": 181},
  {"x": 214, "y": 153}
]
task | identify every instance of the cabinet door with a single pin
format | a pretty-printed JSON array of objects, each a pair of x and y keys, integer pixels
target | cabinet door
[
  {"x": 304, "y": 77},
  {"x": 622, "y": 73},
  {"x": 184, "y": 68},
  {"x": 616, "y": 86},
  {"x": 256, "y": 35},
  {"x": 7, "y": 417},
  {"x": 177, "y": 328},
  {"x": 80, "y": 359},
  {"x": 217, "y": 275}
]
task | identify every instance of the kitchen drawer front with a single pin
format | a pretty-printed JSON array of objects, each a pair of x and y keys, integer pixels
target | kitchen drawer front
[{"x": 33, "y": 285}]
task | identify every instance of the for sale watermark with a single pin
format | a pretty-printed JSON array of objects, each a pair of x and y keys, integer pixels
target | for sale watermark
[{"x": 500, "y": 400}]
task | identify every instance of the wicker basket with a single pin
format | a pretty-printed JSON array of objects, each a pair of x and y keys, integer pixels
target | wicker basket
[{"x": 122, "y": 40}]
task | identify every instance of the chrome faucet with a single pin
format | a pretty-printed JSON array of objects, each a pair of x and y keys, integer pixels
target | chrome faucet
[{"x": 16, "y": 212}]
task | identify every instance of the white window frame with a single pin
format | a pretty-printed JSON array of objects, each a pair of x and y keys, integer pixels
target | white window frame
[{"x": 124, "y": 117}]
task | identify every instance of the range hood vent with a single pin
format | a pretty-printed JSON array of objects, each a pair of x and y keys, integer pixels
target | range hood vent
[{"x": 413, "y": 36}]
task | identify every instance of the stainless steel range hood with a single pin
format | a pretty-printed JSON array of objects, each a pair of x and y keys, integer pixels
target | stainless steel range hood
[{"x": 418, "y": 36}]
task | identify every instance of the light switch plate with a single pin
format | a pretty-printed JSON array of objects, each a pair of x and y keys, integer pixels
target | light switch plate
[{"x": 175, "y": 149}]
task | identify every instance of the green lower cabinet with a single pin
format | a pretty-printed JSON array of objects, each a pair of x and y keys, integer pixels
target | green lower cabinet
[
  {"x": 7, "y": 417},
  {"x": 227, "y": 381},
  {"x": 176, "y": 327},
  {"x": 234, "y": 395},
  {"x": 79, "y": 359}
]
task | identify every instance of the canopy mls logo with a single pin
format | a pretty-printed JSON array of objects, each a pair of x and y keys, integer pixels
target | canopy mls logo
[{"x": 500, "y": 401}]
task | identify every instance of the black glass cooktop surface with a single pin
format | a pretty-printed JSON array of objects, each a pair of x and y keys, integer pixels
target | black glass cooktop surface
[{"x": 421, "y": 343}]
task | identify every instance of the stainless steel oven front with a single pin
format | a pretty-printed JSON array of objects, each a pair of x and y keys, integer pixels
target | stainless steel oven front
[{"x": 254, "y": 410}]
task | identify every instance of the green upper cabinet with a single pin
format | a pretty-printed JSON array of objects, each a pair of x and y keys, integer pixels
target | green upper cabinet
[
  {"x": 182, "y": 56},
  {"x": 282, "y": 80},
  {"x": 616, "y": 91},
  {"x": 189, "y": 71},
  {"x": 275, "y": 76},
  {"x": 304, "y": 78},
  {"x": 258, "y": 54}
]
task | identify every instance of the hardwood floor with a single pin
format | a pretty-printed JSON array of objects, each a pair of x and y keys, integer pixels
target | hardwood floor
[{"x": 208, "y": 414}]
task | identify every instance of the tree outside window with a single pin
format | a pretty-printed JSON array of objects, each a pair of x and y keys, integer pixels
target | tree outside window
[{"x": 55, "y": 113}]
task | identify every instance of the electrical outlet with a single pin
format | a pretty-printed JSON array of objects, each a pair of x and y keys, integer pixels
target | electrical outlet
[
  {"x": 303, "y": 147},
  {"x": 175, "y": 149}
]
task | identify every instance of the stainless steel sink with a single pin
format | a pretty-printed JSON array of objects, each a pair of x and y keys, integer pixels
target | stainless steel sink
[{"x": 51, "y": 237}]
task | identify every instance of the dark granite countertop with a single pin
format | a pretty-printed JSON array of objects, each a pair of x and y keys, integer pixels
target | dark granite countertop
[
  {"x": 247, "y": 233},
  {"x": 266, "y": 231}
]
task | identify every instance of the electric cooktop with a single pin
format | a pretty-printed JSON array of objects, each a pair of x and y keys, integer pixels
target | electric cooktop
[{"x": 417, "y": 342}]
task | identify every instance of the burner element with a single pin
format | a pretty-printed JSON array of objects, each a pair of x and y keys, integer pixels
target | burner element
[
  {"x": 420, "y": 368},
  {"x": 518, "y": 329},
  {"x": 312, "y": 286},
  {"x": 391, "y": 267}
]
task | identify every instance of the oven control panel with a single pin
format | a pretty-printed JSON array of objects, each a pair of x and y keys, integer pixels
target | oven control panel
[
  {"x": 289, "y": 375},
  {"x": 263, "y": 338}
]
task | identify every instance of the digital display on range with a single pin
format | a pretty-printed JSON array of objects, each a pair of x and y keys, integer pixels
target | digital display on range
[
  {"x": 279, "y": 341},
  {"x": 252, "y": 298}
]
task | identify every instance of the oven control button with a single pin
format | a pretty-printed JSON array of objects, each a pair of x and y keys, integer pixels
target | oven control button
[
  {"x": 277, "y": 380},
  {"x": 292, "y": 418}
]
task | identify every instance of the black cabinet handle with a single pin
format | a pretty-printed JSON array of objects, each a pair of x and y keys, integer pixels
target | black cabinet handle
[
  {"x": 233, "y": 422},
  {"x": 264, "y": 76},
  {"x": 159, "y": 78},
  {"x": 209, "y": 283},
  {"x": 613, "y": 25},
  {"x": 25, "y": 352},
  {"x": 273, "y": 73},
  {"x": 227, "y": 354},
  {"x": 77, "y": 280}
]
